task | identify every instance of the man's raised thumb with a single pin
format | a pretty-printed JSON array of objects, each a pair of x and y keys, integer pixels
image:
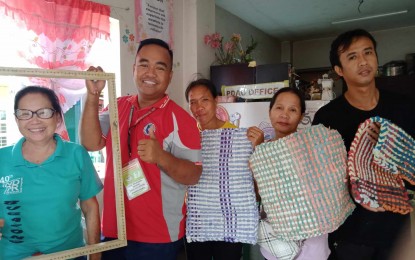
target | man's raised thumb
[{"x": 152, "y": 132}]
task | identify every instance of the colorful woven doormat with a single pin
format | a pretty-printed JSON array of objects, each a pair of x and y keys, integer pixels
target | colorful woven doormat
[
  {"x": 377, "y": 169},
  {"x": 301, "y": 180},
  {"x": 222, "y": 206}
]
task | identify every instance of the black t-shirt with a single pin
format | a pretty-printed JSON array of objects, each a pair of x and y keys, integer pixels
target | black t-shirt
[{"x": 363, "y": 226}]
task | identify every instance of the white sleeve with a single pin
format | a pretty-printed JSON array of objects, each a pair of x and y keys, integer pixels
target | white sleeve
[{"x": 104, "y": 121}]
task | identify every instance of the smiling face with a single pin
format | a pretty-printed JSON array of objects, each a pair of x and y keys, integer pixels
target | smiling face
[
  {"x": 202, "y": 104},
  {"x": 359, "y": 63},
  {"x": 35, "y": 129},
  {"x": 152, "y": 73},
  {"x": 285, "y": 114}
]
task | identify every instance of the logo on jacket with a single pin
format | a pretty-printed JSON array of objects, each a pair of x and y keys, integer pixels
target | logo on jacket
[
  {"x": 148, "y": 127},
  {"x": 12, "y": 186}
]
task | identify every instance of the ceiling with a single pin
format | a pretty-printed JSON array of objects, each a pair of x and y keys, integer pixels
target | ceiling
[{"x": 290, "y": 20}]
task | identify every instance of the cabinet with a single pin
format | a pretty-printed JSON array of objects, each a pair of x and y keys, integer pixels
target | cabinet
[
  {"x": 403, "y": 84},
  {"x": 241, "y": 74},
  {"x": 231, "y": 74}
]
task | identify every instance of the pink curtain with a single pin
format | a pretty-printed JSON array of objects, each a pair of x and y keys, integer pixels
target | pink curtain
[{"x": 57, "y": 34}]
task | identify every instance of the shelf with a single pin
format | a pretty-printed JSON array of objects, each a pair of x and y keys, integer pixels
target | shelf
[{"x": 403, "y": 84}]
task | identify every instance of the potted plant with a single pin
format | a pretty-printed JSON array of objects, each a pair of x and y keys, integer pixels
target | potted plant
[
  {"x": 231, "y": 64},
  {"x": 232, "y": 51}
]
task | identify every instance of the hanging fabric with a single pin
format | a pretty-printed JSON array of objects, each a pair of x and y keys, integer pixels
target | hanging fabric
[{"x": 53, "y": 34}]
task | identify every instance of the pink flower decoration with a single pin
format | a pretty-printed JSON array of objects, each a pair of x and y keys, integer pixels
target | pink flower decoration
[
  {"x": 207, "y": 39},
  {"x": 80, "y": 55},
  {"x": 216, "y": 36},
  {"x": 215, "y": 44},
  {"x": 41, "y": 82},
  {"x": 229, "y": 46},
  {"x": 231, "y": 51},
  {"x": 132, "y": 37},
  {"x": 236, "y": 37},
  {"x": 62, "y": 99}
]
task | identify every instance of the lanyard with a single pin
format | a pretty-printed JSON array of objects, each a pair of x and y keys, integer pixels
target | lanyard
[{"x": 130, "y": 118}]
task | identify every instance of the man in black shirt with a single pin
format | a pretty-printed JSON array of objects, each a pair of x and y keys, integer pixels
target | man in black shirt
[{"x": 368, "y": 233}]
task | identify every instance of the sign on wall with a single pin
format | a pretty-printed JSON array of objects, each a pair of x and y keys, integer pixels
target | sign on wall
[
  {"x": 254, "y": 91},
  {"x": 154, "y": 19}
]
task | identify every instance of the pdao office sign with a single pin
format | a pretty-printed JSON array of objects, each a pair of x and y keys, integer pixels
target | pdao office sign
[{"x": 254, "y": 91}]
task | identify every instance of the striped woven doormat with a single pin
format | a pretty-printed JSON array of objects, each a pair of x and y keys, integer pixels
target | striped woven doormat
[
  {"x": 222, "y": 206},
  {"x": 301, "y": 180},
  {"x": 377, "y": 169}
]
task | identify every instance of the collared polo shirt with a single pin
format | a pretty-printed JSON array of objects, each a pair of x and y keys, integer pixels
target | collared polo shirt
[
  {"x": 39, "y": 202},
  {"x": 157, "y": 216}
]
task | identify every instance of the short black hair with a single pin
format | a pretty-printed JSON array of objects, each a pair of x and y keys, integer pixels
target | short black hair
[
  {"x": 158, "y": 42},
  {"x": 49, "y": 93},
  {"x": 295, "y": 91},
  {"x": 201, "y": 82},
  {"x": 343, "y": 42}
]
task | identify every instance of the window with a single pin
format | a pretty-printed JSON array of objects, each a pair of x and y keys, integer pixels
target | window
[
  {"x": 3, "y": 128},
  {"x": 99, "y": 55},
  {"x": 3, "y": 141}
]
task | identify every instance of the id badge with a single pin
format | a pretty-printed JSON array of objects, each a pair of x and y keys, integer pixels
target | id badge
[{"x": 135, "y": 181}]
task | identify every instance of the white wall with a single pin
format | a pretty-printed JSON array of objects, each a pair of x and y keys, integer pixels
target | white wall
[
  {"x": 126, "y": 20},
  {"x": 395, "y": 44},
  {"x": 206, "y": 25},
  {"x": 192, "y": 20},
  {"x": 392, "y": 45},
  {"x": 286, "y": 53},
  {"x": 185, "y": 51},
  {"x": 311, "y": 53},
  {"x": 268, "y": 50}
]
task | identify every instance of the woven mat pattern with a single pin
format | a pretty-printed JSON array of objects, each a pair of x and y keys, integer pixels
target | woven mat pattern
[
  {"x": 395, "y": 150},
  {"x": 222, "y": 206},
  {"x": 377, "y": 170},
  {"x": 301, "y": 180}
]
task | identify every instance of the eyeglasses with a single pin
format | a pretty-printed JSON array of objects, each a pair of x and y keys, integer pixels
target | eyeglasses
[{"x": 25, "y": 114}]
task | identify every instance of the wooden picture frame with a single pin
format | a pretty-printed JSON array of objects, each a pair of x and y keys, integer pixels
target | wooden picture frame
[{"x": 119, "y": 192}]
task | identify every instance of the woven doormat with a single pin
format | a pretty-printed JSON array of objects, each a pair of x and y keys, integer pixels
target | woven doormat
[
  {"x": 301, "y": 180},
  {"x": 377, "y": 169},
  {"x": 222, "y": 206}
]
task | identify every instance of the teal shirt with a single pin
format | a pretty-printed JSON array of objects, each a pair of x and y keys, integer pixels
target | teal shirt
[{"x": 39, "y": 202}]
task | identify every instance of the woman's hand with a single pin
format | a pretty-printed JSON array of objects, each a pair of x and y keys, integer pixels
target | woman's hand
[
  {"x": 95, "y": 86},
  {"x": 366, "y": 206},
  {"x": 255, "y": 135}
]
